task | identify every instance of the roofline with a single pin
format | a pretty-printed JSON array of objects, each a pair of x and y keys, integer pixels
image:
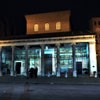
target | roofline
[
  {"x": 68, "y": 11},
  {"x": 46, "y": 35}
]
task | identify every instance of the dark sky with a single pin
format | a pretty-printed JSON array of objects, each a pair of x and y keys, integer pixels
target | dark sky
[{"x": 81, "y": 10}]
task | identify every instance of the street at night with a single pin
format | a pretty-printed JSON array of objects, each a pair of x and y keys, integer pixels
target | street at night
[
  {"x": 50, "y": 50},
  {"x": 48, "y": 92}
]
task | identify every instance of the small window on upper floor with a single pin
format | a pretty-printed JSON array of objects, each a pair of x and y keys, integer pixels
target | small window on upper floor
[
  {"x": 36, "y": 27},
  {"x": 95, "y": 23},
  {"x": 58, "y": 25},
  {"x": 46, "y": 26},
  {"x": 97, "y": 36},
  {"x": 99, "y": 23}
]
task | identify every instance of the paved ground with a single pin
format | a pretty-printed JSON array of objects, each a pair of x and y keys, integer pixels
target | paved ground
[
  {"x": 50, "y": 80},
  {"x": 48, "y": 92},
  {"x": 52, "y": 88}
]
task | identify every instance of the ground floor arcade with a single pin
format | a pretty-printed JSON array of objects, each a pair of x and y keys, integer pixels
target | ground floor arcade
[{"x": 56, "y": 56}]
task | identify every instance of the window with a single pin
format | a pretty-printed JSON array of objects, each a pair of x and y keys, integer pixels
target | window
[
  {"x": 46, "y": 26},
  {"x": 36, "y": 27},
  {"x": 99, "y": 23},
  {"x": 58, "y": 25},
  {"x": 94, "y": 22}
]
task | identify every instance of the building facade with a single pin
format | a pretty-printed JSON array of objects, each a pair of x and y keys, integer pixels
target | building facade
[
  {"x": 51, "y": 47},
  {"x": 95, "y": 27},
  {"x": 54, "y": 55},
  {"x": 48, "y": 22}
]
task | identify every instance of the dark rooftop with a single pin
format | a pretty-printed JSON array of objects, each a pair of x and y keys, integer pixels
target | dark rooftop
[{"x": 46, "y": 35}]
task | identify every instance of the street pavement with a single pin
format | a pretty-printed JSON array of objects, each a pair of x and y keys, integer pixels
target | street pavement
[
  {"x": 49, "y": 88},
  {"x": 29, "y": 91},
  {"x": 50, "y": 80}
]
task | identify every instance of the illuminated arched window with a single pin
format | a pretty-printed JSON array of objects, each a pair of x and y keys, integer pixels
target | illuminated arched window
[
  {"x": 46, "y": 26},
  {"x": 58, "y": 25},
  {"x": 36, "y": 27}
]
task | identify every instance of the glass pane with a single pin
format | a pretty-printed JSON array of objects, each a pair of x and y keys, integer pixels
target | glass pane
[
  {"x": 35, "y": 58},
  {"x": 6, "y": 60},
  {"x": 82, "y": 55},
  {"x": 19, "y": 60},
  {"x": 46, "y": 26},
  {"x": 36, "y": 27},
  {"x": 66, "y": 63},
  {"x": 58, "y": 25}
]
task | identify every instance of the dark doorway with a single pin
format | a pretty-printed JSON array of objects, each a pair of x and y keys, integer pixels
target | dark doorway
[
  {"x": 48, "y": 64},
  {"x": 18, "y": 67},
  {"x": 79, "y": 68}
]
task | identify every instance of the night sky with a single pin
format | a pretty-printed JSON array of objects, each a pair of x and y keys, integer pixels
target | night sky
[{"x": 81, "y": 10}]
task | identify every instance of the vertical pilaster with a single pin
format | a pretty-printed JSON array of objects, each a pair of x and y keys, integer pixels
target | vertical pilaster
[
  {"x": 42, "y": 60},
  {"x": 26, "y": 61},
  {"x": 74, "y": 60},
  {"x": 58, "y": 60},
  {"x": 93, "y": 59},
  {"x": 12, "y": 72},
  {"x": 0, "y": 61}
]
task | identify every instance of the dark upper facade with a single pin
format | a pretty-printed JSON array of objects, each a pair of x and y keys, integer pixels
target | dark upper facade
[
  {"x": 12, "y": 26},
  {"x": 95, "y": 27},
  {"x": 30, "y": 26},
  {"x": 58, "y": 21},
  {"x": 95, "y": 24}
]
